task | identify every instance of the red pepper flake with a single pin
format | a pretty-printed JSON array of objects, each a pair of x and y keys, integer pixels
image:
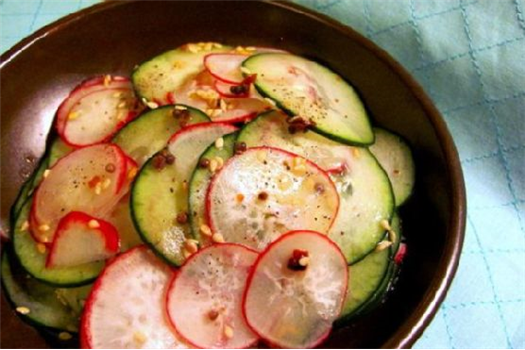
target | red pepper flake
[
  {"x": 401, "y": 253},
  {"x": 299, "y": 260},
  {"x": 240, "y": 148},
  {"x": 159, "y": 162},
  {"x": 94, "y": 181},
  {"x": 170, "y": 98},
  {"x": 110, "y": 168}
]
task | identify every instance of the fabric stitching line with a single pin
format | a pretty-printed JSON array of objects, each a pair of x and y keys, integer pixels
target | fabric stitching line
[
  {"x": 502, "y": 205},
  {"x": 477, "y": 69},
  {"x": 389, "y": 29},
  {"x": 447, "y": 326},
  {"x": 368, "y": 18},
  {"x": 327, "y": 5},
  {"x": 497, "y": 251},
  {"x": 464, "y": 54},
  {"x": 37, "y": 13},
  {"x": 481, "y": 303},
  {"x": 519, "y": 15},
  {"x": 510, "y": 182},
  {"x": 489, "y": 272},
  {"x": 492, "y": 154},
  {"x": 493, "y": 101}
]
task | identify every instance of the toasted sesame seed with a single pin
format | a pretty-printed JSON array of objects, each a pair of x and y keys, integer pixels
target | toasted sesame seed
[
  {"x": 213, "y": 165},
  {"x": 46, "y": 173},
  {"x": 106, "y": 183},
  {"x": 98, "y": 188},
  {"x": 217, "y": 45},
  {"x": 385, "y": 224},
  {"x": 299, "y": 170},
  {"x": 220, "y": 162},
  {"x": 191, "y": 245},
  {"x": 392, "y": 235},
  {"x": 382, "y": 245},
  {"x": 23, "y": 310},
  {"x": 64, "y": 336},
  {"x": 139, "y": 337},
  {"x": 132, "y": 173},
  {"x": 223, "y": 105},
  {"x": 152, "y": 105},
  {"x": 121, "y": 104},
  {"x": 304, "y": 261},
  {"x": 356, "y": 152},
  {"x": 228, "y": 332},
  {"x": 43, "y": 228},
  {"x": 205, "y": 230},
  {"x": 41, "y": 248},
  {"x": 245, "y": 70},
  {"x": 93, "y": 224},
  {"x": 25, "y": 226},
  {"x": 181, "y": 108},
  {"x": 270, "y": 101},
  {"x": 219, "y": 143},
  {"x": 251, "y": 48},
  {"x": 239, "y": 197},
  {"x": 117, "y": 94},
  {"x": 107, "y": 80},
  {"x": 186, "y": 254},
  {"x": 192, "y": 48},
  {"x": 73, "y": 115},
  {"x": 217, "y": 238}
]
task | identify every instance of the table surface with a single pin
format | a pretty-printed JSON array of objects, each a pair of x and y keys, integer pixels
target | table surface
[{"x": 469, "y": 56}]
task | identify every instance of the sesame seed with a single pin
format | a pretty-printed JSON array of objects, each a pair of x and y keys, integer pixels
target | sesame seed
[
  {"x": 223, "y": 105},
  {"x": 383, "y": 245},
  {"x": 186, "y": 254},
  {"x": 25, "y": 226},
  {"x": 93, "y": 224},
  {"x": 139, "y": 337},
  {"x": 64, "y": 336},
  {"x": 220, "y": 162},
  {"x": 107, "y": 80},
  {"x": 304, "y": 261},
  {"x": 205, "y": 230},
  {"x": 213, "y": 165},
  {"x": 239, "y": 197},
  {"x": 98, "y": 188},
  {"x": 191, "y": 246},
  {"x": 117, "y": 94},
  {"x": 356, "y": 152},
  {"x": 245, "y": 70},
  {"x": 181, "y": 108},
  {"x": 121, "y": 104},
  {"x": 41, "y": 248},
  {"x": 152, "y": 105},
  {"x": 392, "y": 235},
  {"x": 217, "y": 238},
  {"x": 43, "y": 228},
  {"x": 219, "y": 143},
  {"x": 23, "y": 310},
  {"x": 73, "y": 115},
  {"x": 106, "y": 183},
  {"x": 261, "y": 156},
  {"x": 217, "y": 45},
  {"x": 385, "y": 224},
  {"x": 228, "y": 332},
  {"x": 270, "y": 101}
]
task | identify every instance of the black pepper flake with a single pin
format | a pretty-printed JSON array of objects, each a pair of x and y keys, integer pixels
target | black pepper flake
[
  {"x": 204, "y": 163},
  {"x": 182, "y": 217},
  {"x": 263, "y": 196}
]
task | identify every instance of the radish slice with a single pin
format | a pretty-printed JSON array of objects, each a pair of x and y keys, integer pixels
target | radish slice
[
  {"x": 204, "y": 299},
  {"x": 95, "y": 110},
  {"x": 241, "y": 110},
  {"x": 120, "y": 217},
  {"x": 87, "y": 180},
  {"x": 296, "y": 290},
  {"x": 80, "y": 239},
  {"x": 225, "y": 66},
  {"x": 126, "y": 307},
  {"x": 280, "y": 192},
  {"x": 231, "y": 90}
]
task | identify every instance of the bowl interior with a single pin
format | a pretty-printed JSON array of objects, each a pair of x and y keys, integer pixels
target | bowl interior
[{"x": 114, "y": 37}]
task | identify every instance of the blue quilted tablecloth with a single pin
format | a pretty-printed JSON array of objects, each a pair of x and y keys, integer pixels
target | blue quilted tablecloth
[{"x": 470, "y": 57}]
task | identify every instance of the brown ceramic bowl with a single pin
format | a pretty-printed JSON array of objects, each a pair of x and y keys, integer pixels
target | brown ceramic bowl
[{"x": 113, "y": 37}]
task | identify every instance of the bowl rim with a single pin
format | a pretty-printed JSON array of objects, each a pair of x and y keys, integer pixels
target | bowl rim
[{"x": 413, "y": 327}]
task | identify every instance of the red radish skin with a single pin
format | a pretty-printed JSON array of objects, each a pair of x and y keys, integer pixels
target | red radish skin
[
  {"x": 225, "y": 66},
  {"x": 171, "y": 297},
  {"x": 118, "y": 159},
  {"x": 212, "y": 185},
  {"x": 262, "y": 255},
  {"x": 113, "y": 266},
  {"x": 106, "y": 232},
  {"x": 95, "y": 85},
  {"x": 197, "y": 126}
]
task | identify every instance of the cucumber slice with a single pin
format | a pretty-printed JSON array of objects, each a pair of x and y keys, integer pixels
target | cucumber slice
[
  {"x": 264, "y": 192},
  {"x": 57, "y": 308},
  {"x": 167, "y": 72},
  {"x": 365, "y": 193},
  {"x": 199, "y": 183},
  {"x": 34, "y": 262},
  {"x": 370, "y": 278},
  {"x": 149, "y": 133},
  {"x": 158, "y": 196},
  {"x": 305, "y": 88},
  {"x": 395, "y": 156},
  {"x": 58, "y": 150}
]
